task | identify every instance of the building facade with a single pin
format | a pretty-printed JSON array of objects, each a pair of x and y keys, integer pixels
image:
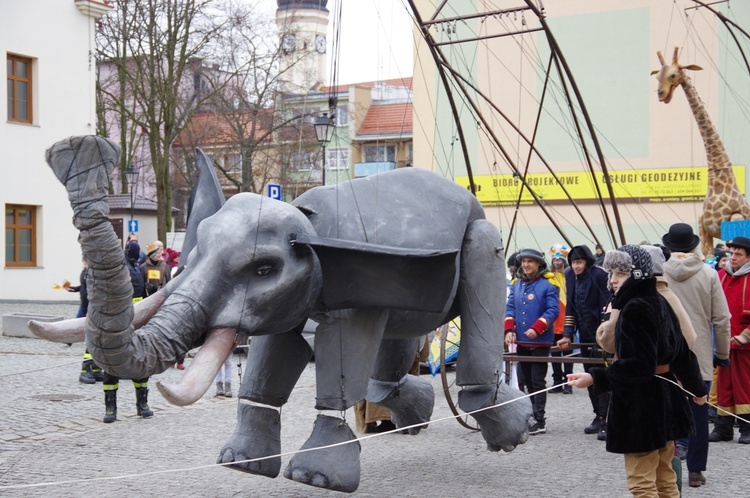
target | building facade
[
  {"x": 50, "y": 74},
  {"x": 653, "y": 151}
]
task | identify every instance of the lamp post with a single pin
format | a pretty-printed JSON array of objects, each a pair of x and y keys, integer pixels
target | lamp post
[
  {"x": 324, "y": 132},
  {"x": 131, "y": 173}
]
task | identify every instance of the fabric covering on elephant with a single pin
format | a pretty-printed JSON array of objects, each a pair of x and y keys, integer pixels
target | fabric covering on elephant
[{"x": 377, "y": 262}]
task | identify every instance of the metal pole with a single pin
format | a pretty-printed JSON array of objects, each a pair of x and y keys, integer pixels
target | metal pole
[{"x": 324, "y": 164}]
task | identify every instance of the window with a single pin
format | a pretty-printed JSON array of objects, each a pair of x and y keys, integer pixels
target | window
[
  {"x": 341, "y": 117},
  {"x": 303, "y": 160},
  {"x": 19, "y": 89},
  {"x": 380, "y": 153},
  {"x": 233, "y": 164},
  {"x": 20, "y": 235},
  {"x": 337, "y": 159}
]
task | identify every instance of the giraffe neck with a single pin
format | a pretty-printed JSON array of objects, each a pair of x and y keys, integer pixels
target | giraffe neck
[{"x": 719, "y": 166}]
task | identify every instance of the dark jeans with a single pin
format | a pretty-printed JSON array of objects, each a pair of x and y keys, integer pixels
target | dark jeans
[
  {"x": 534, "y": 375},
  {"x": 697, "y": 454},
  {"x": 560, "y": 371},
  {"x": 599, "y": 401}
]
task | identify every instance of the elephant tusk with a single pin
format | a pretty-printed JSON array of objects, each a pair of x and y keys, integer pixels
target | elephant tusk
[
  {"x": 74, "y": 329},
  {"x": 66, "y": 331},
  {"x": 202, "y": 370}
]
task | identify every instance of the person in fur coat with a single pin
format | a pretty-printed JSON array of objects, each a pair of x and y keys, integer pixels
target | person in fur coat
[{"x": 647, "y": 412}]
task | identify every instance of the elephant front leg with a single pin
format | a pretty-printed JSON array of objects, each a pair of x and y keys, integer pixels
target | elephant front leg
[
  {"x": 346, "y": 343},
  {"x": 482, "y": 299},
  {"x": 274, "y": 364}
]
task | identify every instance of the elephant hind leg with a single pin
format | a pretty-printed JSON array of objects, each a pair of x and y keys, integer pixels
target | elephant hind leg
[
  {"x": 257, "y": 435},
  {"x": 502, "y": 427},
  {"x": 334, "y": 468},
  {"x": 410, "y": 401}
]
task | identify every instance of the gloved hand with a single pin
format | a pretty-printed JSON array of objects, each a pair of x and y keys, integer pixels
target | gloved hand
[{"x": 721, "y": 363}]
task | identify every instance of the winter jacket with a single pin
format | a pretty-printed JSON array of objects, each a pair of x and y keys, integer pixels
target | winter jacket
[
  {"x": 595, "y": 295},
  {"x": 155, "y": 275},
  {"x": 735, "y": 285},
  {"x": 533, "y": 304},
  {"x": 646, "y": 411},
  {"x": 699, "y": 290}
]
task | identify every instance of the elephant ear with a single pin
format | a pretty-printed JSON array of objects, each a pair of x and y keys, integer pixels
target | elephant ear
[
  {"x": 363, "y": 275},
  {"x": 205, "y": 200}
]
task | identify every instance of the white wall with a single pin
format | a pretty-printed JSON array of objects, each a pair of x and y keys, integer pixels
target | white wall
[{"x": 58, "y": 37}]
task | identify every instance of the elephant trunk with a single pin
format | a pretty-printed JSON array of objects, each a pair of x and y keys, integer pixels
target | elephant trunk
[
  {"x": 110, "y": 335},
  {"x": 202, "y": 370}
]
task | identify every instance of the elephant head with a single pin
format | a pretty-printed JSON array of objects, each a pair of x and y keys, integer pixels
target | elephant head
[{"x": 247, "y": 275}]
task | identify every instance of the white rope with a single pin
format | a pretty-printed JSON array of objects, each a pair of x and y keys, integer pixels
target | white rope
[
  {"x": 40, "y": 369},
  {"x": 334, "y": 445},
  {"x": 279, "y": 455},
  {"x": 718, "y": 408}
]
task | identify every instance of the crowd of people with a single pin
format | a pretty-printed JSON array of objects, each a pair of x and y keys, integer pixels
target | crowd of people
[
  {"x": 149, "y": 271},
  {"x": 654, "y": 313}
]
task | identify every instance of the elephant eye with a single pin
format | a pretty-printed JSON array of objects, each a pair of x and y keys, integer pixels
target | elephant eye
[{"x": 264, "y": 270}]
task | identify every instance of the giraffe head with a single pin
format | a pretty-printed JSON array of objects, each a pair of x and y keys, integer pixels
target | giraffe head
[{"x": 670, "y": 76}]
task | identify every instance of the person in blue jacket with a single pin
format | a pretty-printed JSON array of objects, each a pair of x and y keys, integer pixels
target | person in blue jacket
[{"x": 533, "y": 306}]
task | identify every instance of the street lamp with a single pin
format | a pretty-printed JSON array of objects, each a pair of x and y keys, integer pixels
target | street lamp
[
  {"x": 324, "y": 131},
  {"x": 131, "y": 173}
]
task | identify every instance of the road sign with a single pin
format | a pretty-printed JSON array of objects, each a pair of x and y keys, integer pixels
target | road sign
[
  {"x": 274, "y": 191},
  {"x": 732, "y": 229},
  {"x": 133, "y": 226}
]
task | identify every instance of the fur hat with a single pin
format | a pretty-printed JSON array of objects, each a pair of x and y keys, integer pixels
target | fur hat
[
  {"x": 531, "y": 254},
  {"x": 640, "y": 261}
]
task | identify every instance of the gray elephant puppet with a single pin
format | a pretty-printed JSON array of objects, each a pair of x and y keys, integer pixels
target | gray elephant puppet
[{"x": 377, "y": 262}]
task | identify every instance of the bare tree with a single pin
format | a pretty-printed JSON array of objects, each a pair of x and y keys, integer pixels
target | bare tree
[
  {"x": 249, "y": 123},
  {"x": 158, "y": 81}
]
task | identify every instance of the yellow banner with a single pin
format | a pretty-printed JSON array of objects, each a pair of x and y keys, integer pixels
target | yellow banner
[{"x": 651, "y": 185}]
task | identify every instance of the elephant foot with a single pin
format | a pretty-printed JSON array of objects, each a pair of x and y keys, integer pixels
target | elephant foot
[
  {"x": 504, "y": 427},
  {"x": 83, "y": 164},
  {"x": 410, "y": 401},
  {"x": 257, "y": 435},
  {"x": 334, "y": 468}
]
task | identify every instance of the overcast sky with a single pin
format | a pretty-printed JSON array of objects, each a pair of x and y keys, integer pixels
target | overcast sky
[{"x": 376, "y": 39}]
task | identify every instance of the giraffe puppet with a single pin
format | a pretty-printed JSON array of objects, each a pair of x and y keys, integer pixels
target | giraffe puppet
[{"x": 724, "y": 201}]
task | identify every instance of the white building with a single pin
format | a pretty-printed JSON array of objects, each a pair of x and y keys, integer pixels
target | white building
[{"x": 50, "y": 72}]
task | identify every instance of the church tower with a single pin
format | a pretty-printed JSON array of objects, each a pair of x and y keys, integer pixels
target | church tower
[{"x": 303, "y": 25}]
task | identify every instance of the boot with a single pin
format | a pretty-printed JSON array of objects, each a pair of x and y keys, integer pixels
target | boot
[
  {"x": 110, "y": 406},
  {"x": 141, "y": 402},
  {"x": 228, "y": 389},
  {"x": 87, "y": 375},
  {"x": 219, "y": 389},
  {"x": 744, "y": 431},
  {"x": 723, "y": 430},
  {"x": 96, "y": 372}
]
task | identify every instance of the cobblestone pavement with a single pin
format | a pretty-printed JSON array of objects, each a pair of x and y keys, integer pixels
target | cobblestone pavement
[{"x": 51, "y": 431}]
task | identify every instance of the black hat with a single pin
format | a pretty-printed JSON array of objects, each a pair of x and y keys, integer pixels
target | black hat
[
  {"x": 532, "y": 254},
  {"x": 680, "y": 238},
  {"x": 134, "y": 250},
  {"x": 740, "y": 242}
]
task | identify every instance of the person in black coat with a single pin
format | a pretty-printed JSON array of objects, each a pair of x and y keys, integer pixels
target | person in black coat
[
  {"x": 648, "y": 412},
  {"x": 588, "y": 296}
]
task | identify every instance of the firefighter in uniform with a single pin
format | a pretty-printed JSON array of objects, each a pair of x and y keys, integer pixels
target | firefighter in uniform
[{"x": 111, "y": 383}]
